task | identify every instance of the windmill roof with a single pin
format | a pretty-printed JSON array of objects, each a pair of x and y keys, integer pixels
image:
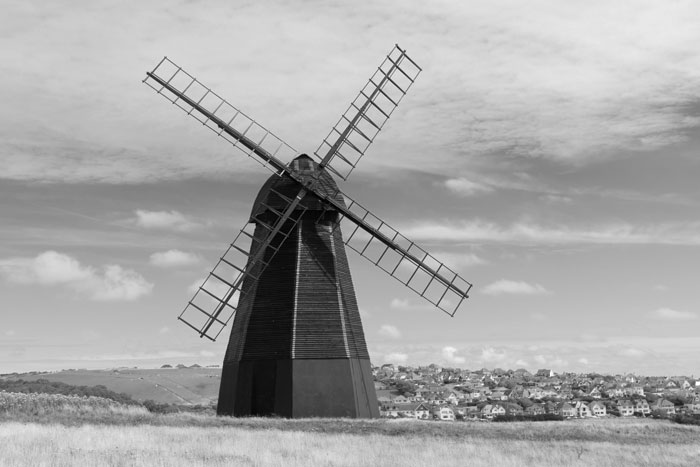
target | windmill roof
[{"x": 308, "y": 170}]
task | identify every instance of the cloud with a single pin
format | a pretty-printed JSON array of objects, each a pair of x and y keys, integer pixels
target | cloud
[
  {"x": 173, "y": 258},
  {"x": 632, "y": 352},
  {"x": 387, "y": 330},
  {"x": 583, "y": 361},
  {"x": 451, "y": 357},
  {"x": 553, "y": 198},
  {"x": 661, "y": 288},
  {"x": 164, "y": 220},
  {"x": 530, "y": 233},
  {"x": 505, "y": 286},
  {"x": 553, "y": 81},
  {"x": 399, "y": 303},
  {"x": 396, "y": 357},
  {"x": 112, "y": 283},
  {"x": 164, "y": 330},
  {"x": 668, "y": 314},
  {"x": 493, "y": 355},
  {"x": 464, "y": 187},
  {"x": 458, "y": 260}
]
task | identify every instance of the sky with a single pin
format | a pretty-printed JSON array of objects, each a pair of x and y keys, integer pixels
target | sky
[{"x": 548, "y": 152}]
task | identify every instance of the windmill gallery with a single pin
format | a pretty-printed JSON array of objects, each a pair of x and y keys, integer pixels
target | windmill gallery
[{"x": 297, "y": 348}]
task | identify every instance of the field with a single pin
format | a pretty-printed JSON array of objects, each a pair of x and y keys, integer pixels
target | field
[
  {"x": 166, "y": 386},
  {"x": 88, "y": 431}
]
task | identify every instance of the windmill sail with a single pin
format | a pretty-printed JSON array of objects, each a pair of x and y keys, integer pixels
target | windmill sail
[
  {"x": 402, "y": 259},
  {"x": 216, "y": 301},
  {"x": 227, "y": 121},
  {"x": 349, "y": 139}
]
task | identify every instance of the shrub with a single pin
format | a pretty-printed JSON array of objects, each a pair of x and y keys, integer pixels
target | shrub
[
  {"x": 687, "y": 419},
  {"x": 43, "y": 386},
  {"x": 545, "y": 417},
  {"x": 156, "y": 407}
]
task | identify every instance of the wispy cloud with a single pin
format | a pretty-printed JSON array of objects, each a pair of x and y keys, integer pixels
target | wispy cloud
[
  {"x": 458, "y": 260},
  {"x": 164, "y": 220},
  {"x": 390, "y": 331},
  {"x": 399, "y": 303},
  {"x": 173, "y": 258},
  {"x": 396, "y": 357},
  {"x": 508, "y": 287},
  {"x": 632, "y": 352},
  {"x": 57, "y": 269},
  {"x": 553, "y": 81},
  {"x": 465, "y": 187},
  {"x": 531, "y": 233},
  {"x": 449, "y": 354},
  {"x": 669, "y": 314}
]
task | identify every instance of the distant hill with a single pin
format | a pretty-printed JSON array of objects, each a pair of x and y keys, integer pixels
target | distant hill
[{"x": 183, "y": 386}]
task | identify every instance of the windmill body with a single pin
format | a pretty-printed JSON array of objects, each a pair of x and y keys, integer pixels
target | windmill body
[
  {"x": 297, "y": 336},
  {"x": 297, "y": 348}
]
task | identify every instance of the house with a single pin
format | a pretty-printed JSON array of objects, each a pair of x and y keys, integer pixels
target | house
[
  {"x": 479, "y": 392},
  {"x": 400, "y": 400},
  {"x": 551, "y": 407},
  {"x": 664, "y": 406},
  {"x": 513, "y": 409},
  {"x": 536, "y": 392},
  {"x": 486, "y": 411},
  {"x": 597, "y": 408},
  {"x": 450, "y": 397},
  {"x": 641, "y": 406},
  {"x": 534, "y": 409},
  {"x": 544, "y": 373},
  {"x": 498, "y": 409},
  {"x": 595, "y": 393},
  {"x": 633, "y": 389},
  {"x": 692, "y": 408},
  {"x": 625, "y": 407},
  {"x": 467, "y": 411},
  {"x": 443, "y": 412},
  {"x": 566, "y": 410},
  {"x": 613, "y": 391},
  {"x": 582, "y": 409},
  {"x": 411, "y": 410}
]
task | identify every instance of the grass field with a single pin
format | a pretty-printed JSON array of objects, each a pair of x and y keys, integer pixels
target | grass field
[
  {"x": 65, "y": 431},
  {"x": 516, "y": 444},
  {"x": 166, "y": 386}
]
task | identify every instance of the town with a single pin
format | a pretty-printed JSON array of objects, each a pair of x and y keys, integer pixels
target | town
[{"x": 451, "y": 394}]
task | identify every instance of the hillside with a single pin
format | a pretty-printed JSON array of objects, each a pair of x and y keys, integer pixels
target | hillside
[{"x": 183, "y": 386}]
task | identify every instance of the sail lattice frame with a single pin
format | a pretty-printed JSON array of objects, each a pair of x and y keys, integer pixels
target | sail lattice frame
[
  {"x": 216, "y": 301},
  {"x": 349, "y": 139},
  {"x": 402, "y": 259},
  {"x": 204, "y": 105}
]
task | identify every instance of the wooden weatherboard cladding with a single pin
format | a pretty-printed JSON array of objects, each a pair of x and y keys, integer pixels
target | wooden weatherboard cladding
[{"x": 301, "y": 308}]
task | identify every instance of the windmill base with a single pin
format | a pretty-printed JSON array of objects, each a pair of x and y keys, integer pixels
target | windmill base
[{"x": 298, "y": 388}]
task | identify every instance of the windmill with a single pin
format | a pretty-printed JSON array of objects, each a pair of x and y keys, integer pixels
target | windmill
[{"x": 297, "y": 348}]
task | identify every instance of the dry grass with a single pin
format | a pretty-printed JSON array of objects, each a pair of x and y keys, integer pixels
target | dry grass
[
  {"x": 148, "y": 445},
  {"x": 66, "y": 431}
]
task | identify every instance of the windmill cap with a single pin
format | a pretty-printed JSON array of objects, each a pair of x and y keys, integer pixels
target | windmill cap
[{"x": 307, "y": 169}]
